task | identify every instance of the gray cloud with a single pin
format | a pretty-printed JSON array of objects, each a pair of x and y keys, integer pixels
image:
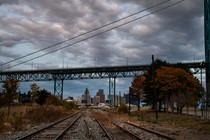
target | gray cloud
[{"x": 174, "y": 34}]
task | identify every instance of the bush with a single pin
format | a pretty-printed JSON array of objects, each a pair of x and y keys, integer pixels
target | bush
[
  {"x": 2, "y": 118},
  {"x": 123, "y": 108},
  {"x": 17, "y": 121},
  {"x": 43, "y": 114},
  {"x": 54, "y": 100},
  {"x": 42, "y": 96}
]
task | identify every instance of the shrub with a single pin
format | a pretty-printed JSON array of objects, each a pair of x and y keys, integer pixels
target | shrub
[
  {"x": 43, "y": 114},
  {"x": 2, "y": 118},
  {"x": 17, "y": 121},
  {"x": 53, "y": 100},
  {"x": 123, "y": 108},
  {"x": 42, "y": 96}
]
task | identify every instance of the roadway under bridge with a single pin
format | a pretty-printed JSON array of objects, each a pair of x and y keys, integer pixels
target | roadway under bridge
[{"x": 59, "y": 75}]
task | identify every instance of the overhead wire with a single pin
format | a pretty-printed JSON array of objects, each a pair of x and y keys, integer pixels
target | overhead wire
[
  {"x": 59, "y": 43},
  {"x": 156, "y": 11}
]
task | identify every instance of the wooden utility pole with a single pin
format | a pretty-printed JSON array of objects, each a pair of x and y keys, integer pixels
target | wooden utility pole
[{"x": 154, "y": 87}]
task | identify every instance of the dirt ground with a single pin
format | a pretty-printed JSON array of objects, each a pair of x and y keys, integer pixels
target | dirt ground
[{"x": 181, "y": 127}]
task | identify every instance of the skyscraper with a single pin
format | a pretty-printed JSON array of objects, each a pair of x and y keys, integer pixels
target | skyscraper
[
  {"x": 100, "y": 93},
  {"x": 86, "y": 99}
]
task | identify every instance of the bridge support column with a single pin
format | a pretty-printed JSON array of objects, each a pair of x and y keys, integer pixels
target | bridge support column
[
  {"x": 58, "y": 88},
  {"x": 207, "y": 51},
  {"x": 112, "y": 91}
]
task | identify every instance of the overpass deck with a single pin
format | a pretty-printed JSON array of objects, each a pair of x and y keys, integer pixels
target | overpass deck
[{"x": 84, "y": 73}]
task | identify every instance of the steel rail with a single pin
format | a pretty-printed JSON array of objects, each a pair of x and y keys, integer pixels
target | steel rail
[
  {"x": 48, "y": 126},
  {"x": 108, "y": 135},
  {"x": 66, "y": 129},
  {"x": 89, "y": 134},
  {"x": 128, "y": 132},
  {"x": 150, "y": 131}
]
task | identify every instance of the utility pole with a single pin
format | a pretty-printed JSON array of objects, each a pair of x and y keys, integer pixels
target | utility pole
[{"x": 154, "y": 87}]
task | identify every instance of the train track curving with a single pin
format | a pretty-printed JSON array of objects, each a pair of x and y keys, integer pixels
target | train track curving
[{"x": 141, "y": 133}]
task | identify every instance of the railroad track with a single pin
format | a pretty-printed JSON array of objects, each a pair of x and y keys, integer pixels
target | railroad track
[
  {"x": 87, "y": 127},
  {"x": 140, "y": 132},
  {"x": 55, "y": 130},
  {"x": 82, "y": 125}
]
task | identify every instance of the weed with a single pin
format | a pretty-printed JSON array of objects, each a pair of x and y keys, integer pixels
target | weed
[
  {"x": 123, "y": 109},
  {"x": 17, "y": 121},
  {"x": 2, "y": 118},
  {"x": 43, "y": 114}
]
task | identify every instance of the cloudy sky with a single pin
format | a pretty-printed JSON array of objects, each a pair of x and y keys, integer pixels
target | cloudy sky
[{"x": 175, "y": 34}]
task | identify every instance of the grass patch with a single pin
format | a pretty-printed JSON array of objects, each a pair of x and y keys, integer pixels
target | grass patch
[
  {"x": 43, "y": 114},
  {"x": 176, "y": 120}
]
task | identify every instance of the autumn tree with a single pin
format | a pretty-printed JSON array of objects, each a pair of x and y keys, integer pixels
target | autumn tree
[
  {"x": 137, "y": 88},
  {"x": 10, "y": 87},
  {"x": 34, "y": 90},
  {"x": 178, "y": 87},
  {"x": 148, "y": 82}
]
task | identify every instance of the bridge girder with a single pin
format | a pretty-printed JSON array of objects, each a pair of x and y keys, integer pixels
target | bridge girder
[{"x": 83, "y": 73}]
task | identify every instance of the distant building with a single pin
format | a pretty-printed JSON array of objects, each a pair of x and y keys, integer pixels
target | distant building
[
  {"x": 100, "y": 93},
  {"x": 70, "y": 99},
  {"x": 96, "y": 100},
  {"x": 86, "y": 98},
  {"x": 117, "y": 100}
]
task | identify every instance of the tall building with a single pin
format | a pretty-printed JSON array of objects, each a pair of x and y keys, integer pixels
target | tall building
[
  {"x": 116, "y": 100},
  {"x": 86, "y": 98},
  {"x": 96, "y": 100},
  {"x": 100, "y": 93}
]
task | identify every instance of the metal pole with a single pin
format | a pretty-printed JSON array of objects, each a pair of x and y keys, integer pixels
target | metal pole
[
  {"x": 54, "y": 86},
  {"x": 202, "y": 105},
  {"x": 109, "y": 91},
  {"x": 62, "y": 89},
  {"x": 114, "y": 84},
  {"x": 120, "y": 96},
  {"x": 129, "y": 100}
]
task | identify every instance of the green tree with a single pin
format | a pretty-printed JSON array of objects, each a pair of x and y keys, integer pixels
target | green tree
[
  {"x": 10, "y": 87},
  {"x": 42, "y": 96}
]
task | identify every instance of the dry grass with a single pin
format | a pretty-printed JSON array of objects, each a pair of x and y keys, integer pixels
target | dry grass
[
  {"x": 23, "y": 117},
  {"x": 175, "y": 120},
  {"x": 174, "y": 125}
]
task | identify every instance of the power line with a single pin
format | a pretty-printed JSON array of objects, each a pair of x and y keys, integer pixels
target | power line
[
  {"x": 86, "y": 32},
  {"x": 156, "y": 11}
]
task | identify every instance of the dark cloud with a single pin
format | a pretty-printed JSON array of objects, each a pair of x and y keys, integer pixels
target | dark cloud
[
  {"x": 9, "y": 2},
  {"x": 175, "y": 33}
]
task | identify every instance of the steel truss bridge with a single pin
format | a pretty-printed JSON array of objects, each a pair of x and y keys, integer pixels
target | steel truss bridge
[{"x": 59, "y": 75}]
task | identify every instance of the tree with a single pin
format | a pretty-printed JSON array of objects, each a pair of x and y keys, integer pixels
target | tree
[
  {"x": 10, "y": 87},
  {"x": 149, "y": 85},
  {"x": 34, "y": 90},
  {"x": 42, "y": 96},
  {"x": 178, "y": 87},
  {"x": 137, "y": 87}
]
